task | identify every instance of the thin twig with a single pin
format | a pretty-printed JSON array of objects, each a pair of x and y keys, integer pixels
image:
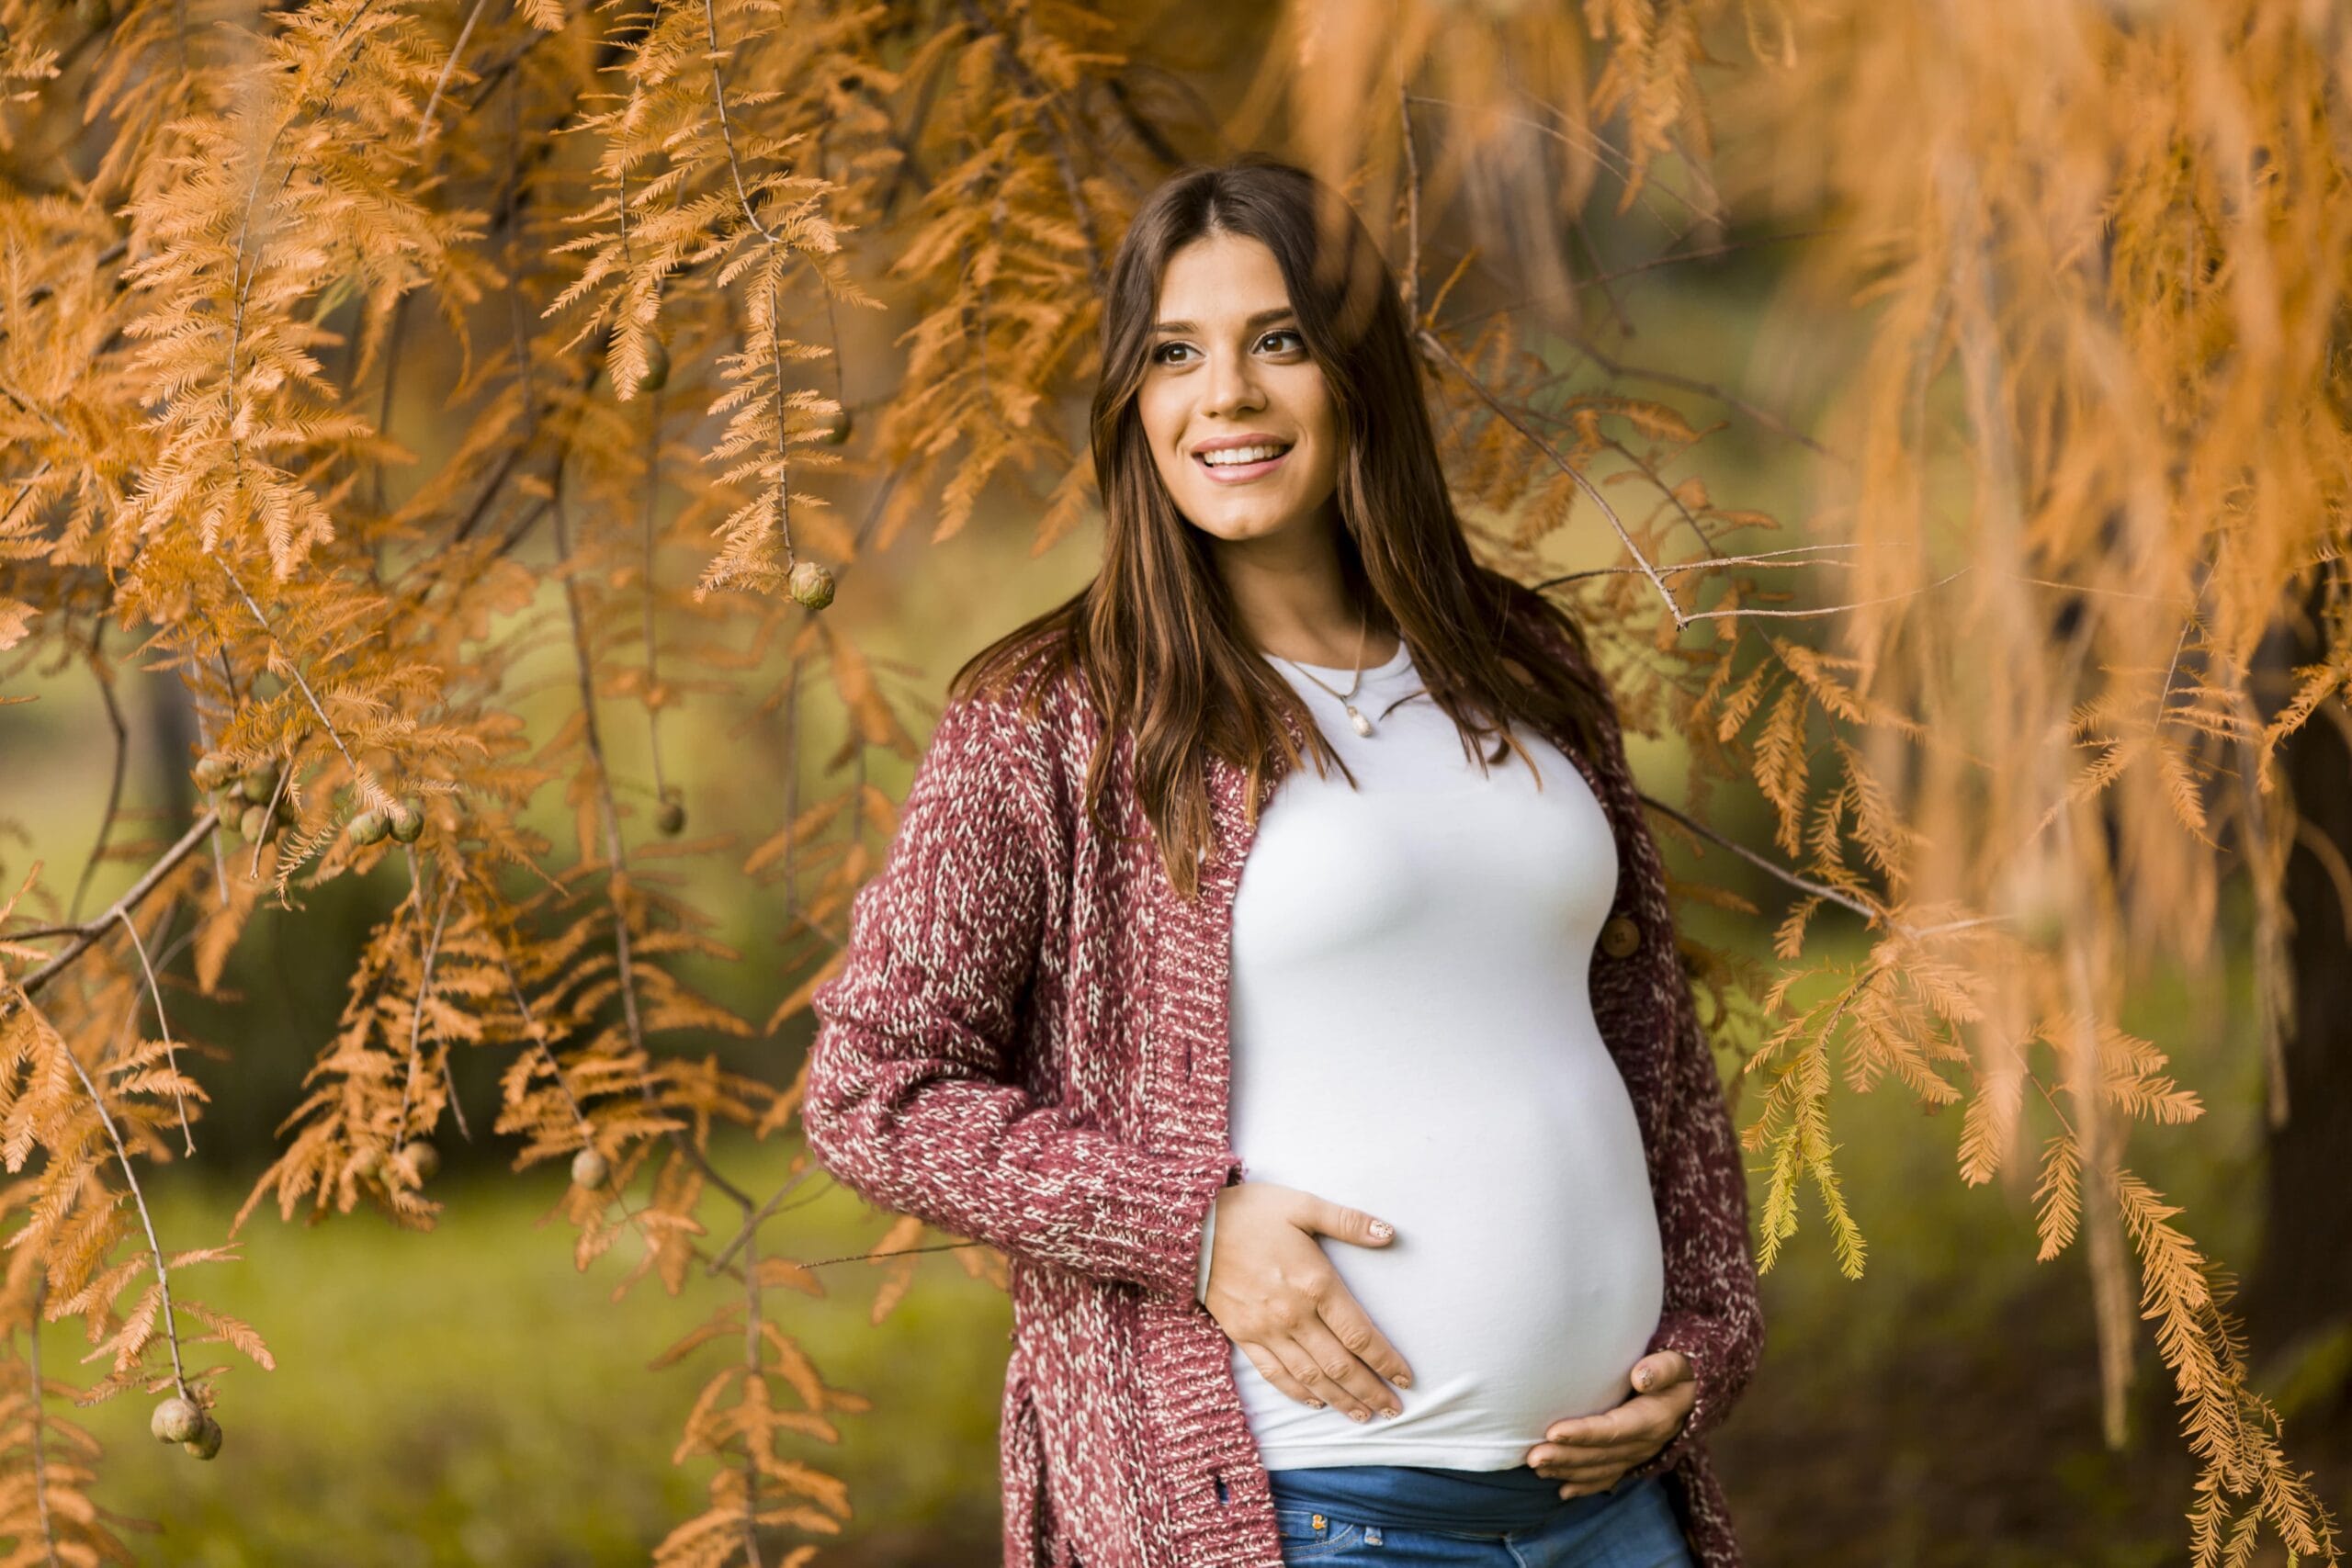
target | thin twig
[
  {"x": 2188, "y": 623},
  {"x": 204, "y": 739},
  {"x": 767, "y": 1210},
  {"x": 33, "y": 482},
  {"x": 416, "y": 1012},
  {"x": 1437, "y": 346},
  {"x": 188, "y": 1134},
  {"x": 726, "y": 129},
  {"x": 1604, "y": 151},
  {"x": 1762, "y": 557},
  {"x": 239, "y": 284},
  {"x": 783, "y": 466},
  {"x": 610, "y": 1187},
  {"x": 269, "y": 814},
  {"x": 532, "y": 1031},
  {"x": 448, "y": 66},
  {"x": 1583, "y": 230},
  {"x": 752, "y": 1368},
  {"x": 617, "y": 872},
  {"x": 1057, "y": 144},
  {"x": 1602, "y": 279},
  {"x": 895, "y": 1252},
  {"x": 294, "y": 665},
  {"x": 40, "y": 1463},
  {"x": 2092, "y": 588},
  {"x": 1871, "y": 915},
  {"x": 139, "y": 1200},
  {"x": 1657, "y": 483},
  {"x": 653, "y": 643},
  {"x": 114, "y": 789},
  {"x": 1762, "y": 416},
  {"x": 1827, "y": 609}
]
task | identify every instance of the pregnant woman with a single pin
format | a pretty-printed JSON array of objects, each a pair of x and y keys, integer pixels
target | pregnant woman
[{"x": 1273, "y": 963}]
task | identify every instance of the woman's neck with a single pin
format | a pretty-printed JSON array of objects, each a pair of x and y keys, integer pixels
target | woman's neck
[{"x": 1292, "y": 602}]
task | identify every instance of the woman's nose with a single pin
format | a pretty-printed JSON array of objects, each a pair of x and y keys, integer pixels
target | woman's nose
[{"x": 1233, "y": 386}]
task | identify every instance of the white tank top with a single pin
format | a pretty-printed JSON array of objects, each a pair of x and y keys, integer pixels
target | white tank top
[{"x": 1412, "y": 1036}]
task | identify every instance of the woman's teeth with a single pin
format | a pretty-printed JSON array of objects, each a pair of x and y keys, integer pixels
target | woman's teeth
[{"x": 1229, "y": 455}]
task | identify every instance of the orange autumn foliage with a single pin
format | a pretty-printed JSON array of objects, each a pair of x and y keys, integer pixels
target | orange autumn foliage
[{"x": 2096, "y": 417}]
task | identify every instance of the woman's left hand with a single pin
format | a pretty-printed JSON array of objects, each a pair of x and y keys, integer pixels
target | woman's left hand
[{"x": 1592, "y": 1453}]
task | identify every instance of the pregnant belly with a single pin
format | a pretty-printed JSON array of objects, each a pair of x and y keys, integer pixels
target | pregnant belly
[{"x": 1524, "y": 1282}]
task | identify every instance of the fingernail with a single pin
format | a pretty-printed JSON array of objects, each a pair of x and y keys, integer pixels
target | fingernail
[
  {"x": 1382, "y": 1230},
  {"x": 1358, "y": 1415},
  {"x": 1404, "y": 1380},
  {"x": 1391, "y": 1414}
]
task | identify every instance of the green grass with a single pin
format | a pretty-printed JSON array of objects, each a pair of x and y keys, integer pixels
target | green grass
[{"x": 465, "y": 1397}]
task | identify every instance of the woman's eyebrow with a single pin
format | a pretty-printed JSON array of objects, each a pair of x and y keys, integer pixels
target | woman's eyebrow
[{"x": 1259, "y": 320}]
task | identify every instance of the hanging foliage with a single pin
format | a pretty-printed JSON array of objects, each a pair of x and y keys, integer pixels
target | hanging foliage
[{"x": 2093, "y": 416}]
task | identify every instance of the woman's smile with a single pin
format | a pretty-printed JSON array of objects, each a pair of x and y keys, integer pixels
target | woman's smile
[{"x": 1225, "y": 471}]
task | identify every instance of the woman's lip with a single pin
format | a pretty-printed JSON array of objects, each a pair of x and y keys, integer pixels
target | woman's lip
[{"x": 1240, "y": 473}]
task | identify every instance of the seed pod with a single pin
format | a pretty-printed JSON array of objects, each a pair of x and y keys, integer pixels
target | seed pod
[
  {"x": 260, "y": 785},
  {"x": 213, "y": 770},
  {"x": 423, "y": 1159},
  {"x": 671, "y": 818},
  {"x": 657, "y": 365},
  {"x": 256, "y": 824},
  {"x": 207, "y": 1442},
  {"x": 369, "y": 828},
  {"x": 176, "y": 1420},
  {"x": 408, "y": 820},
  {"x": 811, "y": 584},
  {"x": 589, "y": 1170},
  {"x": 368, "y": 1161},
  {"x": 837, "y": 429},
  {"x": 93, "y": 14}
]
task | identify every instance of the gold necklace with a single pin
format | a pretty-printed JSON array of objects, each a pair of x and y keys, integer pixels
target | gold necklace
[{"x": 1363, "y": 725}]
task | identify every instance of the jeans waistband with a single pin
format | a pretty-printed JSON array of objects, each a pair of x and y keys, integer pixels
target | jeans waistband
[{"x": 1413, "y": 1496}]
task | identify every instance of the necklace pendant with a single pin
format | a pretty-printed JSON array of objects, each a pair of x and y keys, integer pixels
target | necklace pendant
[{"x": 1363, "y": 725}]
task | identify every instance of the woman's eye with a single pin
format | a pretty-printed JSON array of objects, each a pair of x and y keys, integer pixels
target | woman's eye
[{"x": 1159, "y": 355}]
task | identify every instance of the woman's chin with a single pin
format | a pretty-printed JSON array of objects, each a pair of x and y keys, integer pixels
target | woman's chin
[{"x": 1241, "y": 526}]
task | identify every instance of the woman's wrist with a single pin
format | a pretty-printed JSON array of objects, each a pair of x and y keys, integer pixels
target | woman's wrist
[{"x": 1209, "y": 1246}]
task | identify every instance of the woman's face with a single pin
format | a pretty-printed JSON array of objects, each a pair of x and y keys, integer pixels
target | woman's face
[{"x": 1227, "y": 372}]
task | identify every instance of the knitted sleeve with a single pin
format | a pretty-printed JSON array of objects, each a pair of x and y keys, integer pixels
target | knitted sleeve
[
  {"x": 913, "y": 1096},
  {"x": 1710, "y": 1310}
]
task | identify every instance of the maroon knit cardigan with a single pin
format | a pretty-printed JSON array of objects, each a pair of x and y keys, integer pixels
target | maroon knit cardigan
[{"x": 1025, "y": 1044}]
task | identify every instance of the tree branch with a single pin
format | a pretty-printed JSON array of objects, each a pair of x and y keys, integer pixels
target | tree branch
[{"x": 86, "y": 934}]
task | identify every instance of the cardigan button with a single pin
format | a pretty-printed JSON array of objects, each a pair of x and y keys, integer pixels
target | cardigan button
[{"x": 1620, "y": 937}]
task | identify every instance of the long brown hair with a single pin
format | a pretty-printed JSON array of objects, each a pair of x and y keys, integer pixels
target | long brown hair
[{"x": 1154, "y": 633}]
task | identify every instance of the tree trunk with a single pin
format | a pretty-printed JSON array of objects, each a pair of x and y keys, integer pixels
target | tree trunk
[{"x": 2300, "y": 1290}]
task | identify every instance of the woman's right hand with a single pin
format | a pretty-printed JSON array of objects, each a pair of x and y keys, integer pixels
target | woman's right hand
[{"x": 1278, "y": 1297}]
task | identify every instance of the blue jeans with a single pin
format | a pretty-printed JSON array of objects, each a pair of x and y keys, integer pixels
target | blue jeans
[{"x": 1334, "y": 1517}]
